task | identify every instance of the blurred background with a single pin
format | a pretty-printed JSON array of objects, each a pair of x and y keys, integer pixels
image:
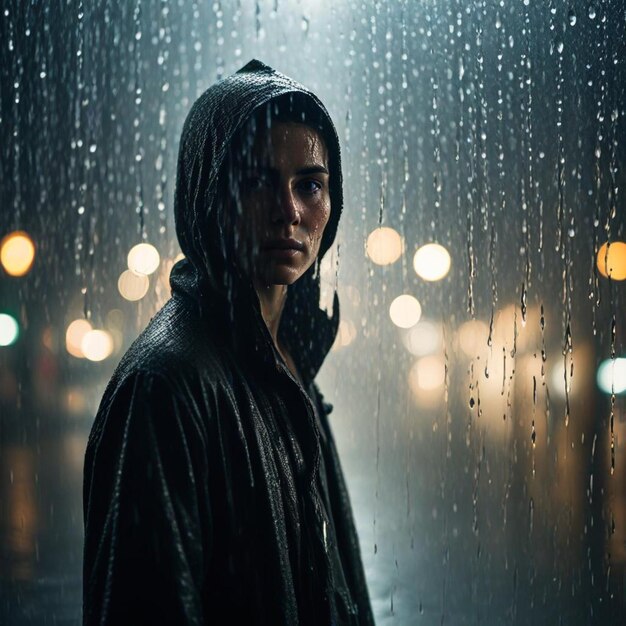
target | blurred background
[{"x": 479, "y": 375}]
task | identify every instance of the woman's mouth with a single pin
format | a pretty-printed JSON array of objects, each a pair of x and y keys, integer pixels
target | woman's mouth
[{"x": 282, "y": 248}]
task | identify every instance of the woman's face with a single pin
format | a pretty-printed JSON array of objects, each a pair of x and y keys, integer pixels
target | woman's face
[{"x": 285, "y": 203}]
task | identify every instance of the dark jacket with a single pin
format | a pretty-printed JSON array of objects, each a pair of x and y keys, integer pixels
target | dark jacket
[{"x": 213, "y": 493}]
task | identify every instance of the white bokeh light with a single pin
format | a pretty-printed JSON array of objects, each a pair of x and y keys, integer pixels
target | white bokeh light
[
  {"x": 9, "y": 329},
  {"x": 74, "y": 337},
  {"x": 611, "y": 376},
  {"x": 97, "y": 345},
  {"x": 405, "y": 311},
  {"x": 423, "y": 338},
  {"x": 431, "y": 262},
  {"x": 143, "y": 259},
  {"x": 384, "y": 246}
]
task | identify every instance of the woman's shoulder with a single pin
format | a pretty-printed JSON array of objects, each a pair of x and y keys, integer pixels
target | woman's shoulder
[
  {"x": 172, "y": 360},
  {"x": 174, "y": 346}
]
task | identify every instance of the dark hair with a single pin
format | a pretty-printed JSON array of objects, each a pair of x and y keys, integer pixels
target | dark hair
[
  {"x": 293, "y": 107},
  {"x": 290, "y": 107}
]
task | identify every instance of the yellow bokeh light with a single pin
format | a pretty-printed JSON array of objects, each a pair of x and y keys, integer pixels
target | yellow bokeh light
[
  {"x": 473, "y": 337},
  {"x": 143, "y": 259},
  {"x": 613, "y": 263},
  {"x": 97, "y": 345},
  {"x": 384, "y": 246},
  {"x": 75, "y": 401},
  {"x": 133, "y": 286},
  {"x": 74, "y": 337},
  {"x": 431, "y": 262},
  {"x": 17, "y": 253},
  {"x": 346, "y": 334},
  {"x": 405, "y": 311},
  {"x": 427, "y": 374}
]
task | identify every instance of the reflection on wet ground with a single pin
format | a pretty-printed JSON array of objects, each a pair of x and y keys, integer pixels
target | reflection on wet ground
[
  {"x": 421, "y": 569},
  {"x": 41, "y": 533}
]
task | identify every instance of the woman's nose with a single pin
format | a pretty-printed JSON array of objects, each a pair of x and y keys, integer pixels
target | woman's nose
[{"x": 286, "y": 208}]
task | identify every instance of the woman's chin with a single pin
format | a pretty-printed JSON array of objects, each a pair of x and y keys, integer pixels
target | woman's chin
[{"x": 281, "y": 275}]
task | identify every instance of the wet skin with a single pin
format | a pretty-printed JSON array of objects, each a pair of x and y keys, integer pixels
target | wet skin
[{"x": 283, "y": 194}]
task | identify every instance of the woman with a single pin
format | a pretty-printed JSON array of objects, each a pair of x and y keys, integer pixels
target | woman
[{"x": 213, "y": 493}]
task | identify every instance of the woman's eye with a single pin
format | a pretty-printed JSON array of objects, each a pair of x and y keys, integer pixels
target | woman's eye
[{"x": 311, "y": 186}]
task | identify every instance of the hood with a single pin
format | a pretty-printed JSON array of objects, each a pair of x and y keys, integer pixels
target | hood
[{"x": 208, "y": 275}]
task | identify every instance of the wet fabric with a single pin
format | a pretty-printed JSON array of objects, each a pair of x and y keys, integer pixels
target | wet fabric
[{"x": 213, "y": 492}]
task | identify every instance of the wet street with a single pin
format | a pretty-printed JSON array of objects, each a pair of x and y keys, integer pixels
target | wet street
[
  {"x": 421, "y": 569},
  {"x": 41, "y": 530}
]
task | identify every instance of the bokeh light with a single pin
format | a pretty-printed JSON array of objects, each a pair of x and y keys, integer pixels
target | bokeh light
[
  {"x": 346, "y": 334},
  {"x": 9, "y": 329},
  {"x": 75, "y": 401},
  {"x": 74, "y": 337},
  {"x": 431, "y": 262},
  {"x": 97, "y": 345},
  {"x": 611, "y": 376},
  {"x": 133, "y": 286},
  {"x": 423, "y": 338},
  {"x": 427, "y": 374},
  {"x": 613, "y": 264},
  {"x": 556, "y": 377},
  {"x": 473, "y": 336},
  {"x": 405, "y": 311},
  {"x": 143, "y": 259},
  {"x": 17, "y": 253},
  {"x": 384, "y": 246}
]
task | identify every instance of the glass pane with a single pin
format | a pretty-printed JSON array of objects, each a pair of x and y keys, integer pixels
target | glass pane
[{"x": 480, "y": 417}]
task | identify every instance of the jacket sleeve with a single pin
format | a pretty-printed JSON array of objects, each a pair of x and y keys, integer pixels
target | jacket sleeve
[{"x": 146, "y": 509}]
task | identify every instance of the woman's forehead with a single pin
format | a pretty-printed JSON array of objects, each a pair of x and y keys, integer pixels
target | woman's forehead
[{"x": 288, "y": 139}]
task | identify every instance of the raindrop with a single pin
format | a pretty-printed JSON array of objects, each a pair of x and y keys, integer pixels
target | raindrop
[
  {"x": 592, "y": 11},
  {"x": 572, "y": 17}
]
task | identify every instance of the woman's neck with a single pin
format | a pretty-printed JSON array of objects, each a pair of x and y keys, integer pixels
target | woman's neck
[{"x": 272, "y": 299}]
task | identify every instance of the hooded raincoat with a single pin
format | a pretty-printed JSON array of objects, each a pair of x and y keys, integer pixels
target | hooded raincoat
[{"x": 213, "y": 493}]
